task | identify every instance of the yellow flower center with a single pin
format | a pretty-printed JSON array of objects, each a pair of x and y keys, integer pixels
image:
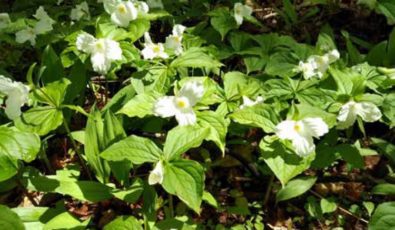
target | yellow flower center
[
  {"x": 99, "y": 45},
  {"x": 297, "y": 127},
  {"x": 182, "y": 103},
  {"x": 122, "y": 9},
  {"x": 156, "y": 49}
]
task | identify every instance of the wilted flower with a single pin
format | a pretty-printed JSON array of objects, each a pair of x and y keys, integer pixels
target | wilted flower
[
  {"x": 103, "y": 51},
  {"x": 80, "y": 11},
  {"x": 247, "y": 102},
  {"x": 156, "y": 175},
  {"x": 316, "y": 66},
  {"x": 368, "y": 111},
  {"x": 181, "y": 105},
  {"x": 301, "y": 133},
  {"x": 153, "y": 50},
  {"x": 4, "y": 20},
  {"x": 241, "y": 11},
  {"x": 17, "y": 95},
  {"x": 174, "y": 41}
]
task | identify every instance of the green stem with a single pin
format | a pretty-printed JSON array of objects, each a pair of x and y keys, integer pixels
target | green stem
[
  {"x": 171, "y": 206},
  {"x": 44, "y": 157},
  {"x": 77, "y": 150},
  {"x": 268, "y": 190}
]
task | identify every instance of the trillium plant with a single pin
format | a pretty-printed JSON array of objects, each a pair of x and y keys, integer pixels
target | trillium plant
[{"x": 158, "y": 114}]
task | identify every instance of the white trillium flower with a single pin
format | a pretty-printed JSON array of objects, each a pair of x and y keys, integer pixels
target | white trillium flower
[
  {"x": 181, "y": 105},
  {"x": 28, "y": 34},
  {"x": 301, "y": 133},
  {"x": 153, "y": 50},
  {"x": 103, "y": 51},
  {"x": 4, "y": 20},
  {"x": 247, "y": 102},
  {"x": 80, "y": 11},
  {"x": 124, "y": 13},
  {"x": 156, "y": 175},
  {"x": 316, "y": 66},
  {"x": 241, "y": 11},
  {"x": 174, "y": 41},
  {"x": 17, "y": 95},
  {"x": 368, "y": 111},
  {"x": 142, "y": 7}
]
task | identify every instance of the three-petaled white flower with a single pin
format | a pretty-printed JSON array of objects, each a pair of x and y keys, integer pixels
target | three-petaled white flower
[
  {"x": 17, "y": 95},
  {"x": 316, "y": 66},
  {"x": 103, "y": 51},
  {"x": 247, "y": 102},
  {"x": 4, "y": 20},
  {"x": 153, "y": 50},
  {"x": 80, "y": 11},
  {"x": 368, "y": 111},
  {"x": 174, "y": 41},
  {"x": 123, "y": 12},
  {"x": 241, "y": 11},
  {"x": 181, "y": 105},
  {"x": 156, "y": 175},
  {"x": 42, "y": 26},
  {"x": 301, "y": 133}
]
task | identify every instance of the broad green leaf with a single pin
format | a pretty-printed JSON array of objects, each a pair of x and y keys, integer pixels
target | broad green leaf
[
  {"x": 218, "y": 126},
  {"x": 385, "y": 148},
  {"x": 195, "y": 58},
  {"x": 328, "y": 205},
  {"x": 120, "y": 98},
  {"x": 137, "y": 150},
  {"x": 384, "y": 189},
  {"x": 53, "y": 66},
  {"x": 40, "y": 120},
  {"x": 66, "y": 221},
  {"x": 207, "y": 197},
  {"x": 140, "y": 106},
  {"x": 53, "y": 93},
  {"x": 306, "y": 111},
  {"x": 383, "y": 217},
  {"x": 295, "y": 188},
  {"x": 124, "y": 222},
  {"x": 185, "y": 179},
  {"x": 262, "y": 116},
  {"x": 182, "y": 138},
  {"x": 18, "y": 145},
  {"x": 9, "y": 167},
  {"x": 31, "y": 216},
  {"x": 81, "y": 190},
  {"x": 389, "y": 108},
  {"x": 284, "y": 163},
  {"x": 254, "y": 63},
  {"x": 137, "y": 28},
  {"x": 130, "y": 194},
  {"x": 282, "y": 64},
  {"x": 9, "y": 219},
  {"x": 222, "y": 21},
  {"x": 350, "y": 154},
  {"x": 78, "y": 78}
]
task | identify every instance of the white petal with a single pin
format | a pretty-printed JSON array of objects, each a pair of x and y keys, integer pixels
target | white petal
[
  {"x": 142, "y": 7},
  {"x": 178, "y": 30},
  {"x": 6, "y": 85},
  {"x": 147, "y": 39},
  {"x": 241, "y": 11},
  {"x": 27, "y": 34},
  {"x": 186, "y": 117},
  {"x": 13, "y": 104},
  {"x": 303, "y": 146},
  {"x": 347, "y": 115},
  {"x": 113, "y": 50},
  {"x": 4, "y": 20},
  {"x": 41, "y": 14},
  {"x": 85, "y": 42},
  {"x": 110, "y": 5},
  {"x": 148, "y": 53},
  {"x": 124, "y": 13},
  {"x": 156, "y": 175},
  {"x": 100, "y": 63},
  {"x": 369, "y": 112},
  {"x": 165, "y": 107},
  {"x": 333, "y": 55},
  {"x": 174, "y": 43},
  {"x": 315, "y": 127},
  {"x": 247, "y": 102},
  {"x": 193, "y": 90},
  {"x": 43, "y": 26},
  {"x": 286, "y": 130},
  {"x": 239, "y": 19}
]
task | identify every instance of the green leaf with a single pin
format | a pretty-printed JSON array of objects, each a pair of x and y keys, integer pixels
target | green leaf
[
  {"x": 385, "y": 148},
  {"x": 389, "y": 108},
  {"x": 222, "y": 21},
  {"x": 281, "y": 64},
  {"x": 140, "y": 106},
  {"x": 120, "y": 98},
  {"x": 387, "y": 8},
  {"x": 350, "y": 154},
  {"x": 183, "y": 138},
  {"x": 53, "y": 93},
  {"x": 53, "y": 66},
  {"x": 218, "y": 127},
  {"x": 306, "y": 111},
  {"x": 66, "y": 221},
  {"x": 137, "y": 150},
  {"x": 261, "y": 115},
  {"x": 284, "y": 163},
  {"x": 383, "y": 217},
  {"x": 9, "y": 167},
  {"x": 328, "y": 205},
  {"x": 384, "y": 189},
  {"x": 18, "y": 145},
  {"x": 254, "y": 63},
  {"x": 81, "y": 190},
  {"x": 123, "y": 222},
  {"x": 195, "y": 58},
  {"x": 185, "y": 179},
  {"x": 295, "y": 188},
  {"x": 130, "y": 194},
  {"x": 40, "y": 120},
  {"x": 78, "y": 79},
  {"x": 137, "y": 28},
  {"x": 9, "y": 219},
  {"x": 207, "y": 197}
]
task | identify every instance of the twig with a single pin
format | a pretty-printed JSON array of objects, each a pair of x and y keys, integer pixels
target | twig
[{"x": 341, "y": 208}]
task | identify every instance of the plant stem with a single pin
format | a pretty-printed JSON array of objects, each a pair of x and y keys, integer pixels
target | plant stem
[
  {"x": 77, "y": 150},
  {"x": 268, "y": 190},
  {"x": 44, "y": 157},
  {"x": 171, "y": 206}
]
